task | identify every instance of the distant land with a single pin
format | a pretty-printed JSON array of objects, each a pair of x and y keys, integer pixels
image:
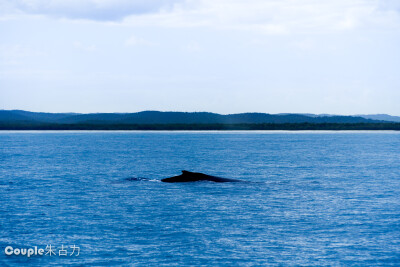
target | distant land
[{"x": 157, "y": 120}]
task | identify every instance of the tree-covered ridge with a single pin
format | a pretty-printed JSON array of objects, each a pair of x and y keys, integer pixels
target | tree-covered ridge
[{"x": 157, "y": 117}]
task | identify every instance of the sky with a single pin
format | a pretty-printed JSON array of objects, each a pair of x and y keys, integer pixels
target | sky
[{"x": 224, "y": 56}]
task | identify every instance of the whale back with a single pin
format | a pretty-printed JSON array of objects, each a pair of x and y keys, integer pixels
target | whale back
[{"x": 188, "y": 176}]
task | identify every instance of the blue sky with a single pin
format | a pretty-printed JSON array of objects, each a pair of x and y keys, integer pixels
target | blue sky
[{"x": 273, "y": 56}]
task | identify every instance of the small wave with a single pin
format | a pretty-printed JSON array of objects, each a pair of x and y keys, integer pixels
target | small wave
[
  {"x": 136, "y": 179},
  {"x": 139, "y": 179}
]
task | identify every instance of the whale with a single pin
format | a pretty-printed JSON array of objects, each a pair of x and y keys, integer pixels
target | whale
[{"x": 188, "y": 176}]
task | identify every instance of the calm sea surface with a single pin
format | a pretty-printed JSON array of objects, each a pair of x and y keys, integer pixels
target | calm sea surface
[{"x": 313, "y": 198}]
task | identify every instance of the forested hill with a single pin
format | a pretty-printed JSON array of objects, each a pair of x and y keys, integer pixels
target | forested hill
[{"x": 157, "y": 117}]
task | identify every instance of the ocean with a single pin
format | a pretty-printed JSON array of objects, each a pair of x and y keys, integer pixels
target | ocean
[{"x": 310, "y": 198}]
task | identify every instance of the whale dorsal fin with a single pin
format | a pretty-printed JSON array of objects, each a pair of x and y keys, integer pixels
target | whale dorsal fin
[{"x": 185, "y": 172}]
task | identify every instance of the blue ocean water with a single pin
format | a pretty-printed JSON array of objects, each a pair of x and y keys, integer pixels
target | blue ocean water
[{"x": 313, "y": 198}]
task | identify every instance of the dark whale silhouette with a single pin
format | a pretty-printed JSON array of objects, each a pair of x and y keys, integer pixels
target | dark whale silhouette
[{"x": 196, "y": 176}]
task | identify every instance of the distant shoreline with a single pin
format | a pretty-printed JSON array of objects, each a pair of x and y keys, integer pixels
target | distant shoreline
[{"x": 202, "y": 127}]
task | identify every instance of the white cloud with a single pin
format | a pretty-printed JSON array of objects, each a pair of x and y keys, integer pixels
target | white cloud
[
  {"x": 275, "y": 16},
  {"x": 265, "y": 16},
  {"x": 80, "y": 46},
  {"x": 100, "y": 10},
  {"x": 193, "y": 47},
  {"x": 135, "y": 41},
  {"x": 304, "y": 45}
]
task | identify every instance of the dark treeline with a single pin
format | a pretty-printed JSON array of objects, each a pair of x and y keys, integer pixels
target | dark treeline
[
  {"x": 260, "y": 126},
  {"x": 158, "y": 117}
]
